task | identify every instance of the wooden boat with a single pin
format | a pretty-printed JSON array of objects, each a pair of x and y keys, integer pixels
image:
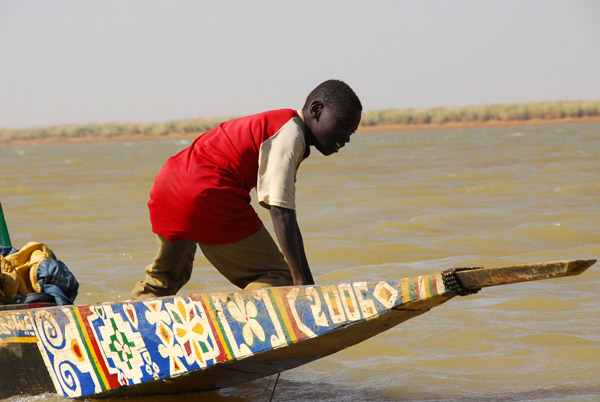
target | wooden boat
[{"x": 215, "y": 340}]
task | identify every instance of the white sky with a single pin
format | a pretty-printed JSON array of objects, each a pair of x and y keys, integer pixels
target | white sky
[{"x": 89, "y": 61}]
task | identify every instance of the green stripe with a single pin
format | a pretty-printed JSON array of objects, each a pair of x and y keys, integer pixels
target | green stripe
[
  {"x": 225, "y": 337},
  {"x": 90, "y": 354},
  {"x": 281, "y": 321},
  {"x": 430, "y": 283},
  {"x": 411, "y": 289}
]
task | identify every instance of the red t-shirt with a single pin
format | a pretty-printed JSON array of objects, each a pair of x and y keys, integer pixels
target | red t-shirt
[{"x": 203, "y": 192}]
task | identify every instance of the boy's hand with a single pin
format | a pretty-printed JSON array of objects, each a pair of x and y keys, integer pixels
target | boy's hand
[{"x": 290, "y": 240}]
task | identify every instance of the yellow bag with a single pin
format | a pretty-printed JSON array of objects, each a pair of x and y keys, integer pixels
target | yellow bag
[{"x": 18, "y": 271}]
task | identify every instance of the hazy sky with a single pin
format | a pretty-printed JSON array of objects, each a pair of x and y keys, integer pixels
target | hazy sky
[{"x": 127, "y": 61}]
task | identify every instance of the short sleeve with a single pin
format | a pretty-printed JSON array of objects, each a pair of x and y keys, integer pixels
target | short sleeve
[{"x": 278, "y": 161}]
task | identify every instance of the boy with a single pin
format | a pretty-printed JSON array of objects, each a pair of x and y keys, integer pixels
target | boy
[{"x": 202, "y": 195}]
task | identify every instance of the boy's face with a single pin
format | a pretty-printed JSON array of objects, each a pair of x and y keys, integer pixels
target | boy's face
[{"x": 332, "y": 126}]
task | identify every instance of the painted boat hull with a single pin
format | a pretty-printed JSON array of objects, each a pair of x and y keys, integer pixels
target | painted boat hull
[{"x": 214, "y": 340}]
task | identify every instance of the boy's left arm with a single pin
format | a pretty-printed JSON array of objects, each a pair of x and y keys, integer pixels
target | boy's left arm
[
  {"x": 304, "y": 260},
  {"x": 291, "y": 243}
]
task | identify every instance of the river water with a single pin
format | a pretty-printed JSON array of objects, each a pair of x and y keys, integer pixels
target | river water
[{"x": 389, "y": 205}]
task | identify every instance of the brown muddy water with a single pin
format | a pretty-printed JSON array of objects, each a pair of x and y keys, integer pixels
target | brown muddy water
[{"x": 389, "y": 205}]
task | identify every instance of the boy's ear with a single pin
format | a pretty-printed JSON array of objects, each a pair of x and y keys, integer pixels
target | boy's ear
[{"x": 316, "y": 107}]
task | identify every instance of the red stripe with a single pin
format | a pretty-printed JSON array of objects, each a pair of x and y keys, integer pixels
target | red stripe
[
  {"x": 299, "y": 334},
  {"x": 417, "y": 290},
  {"x": 113, "y": 379},
  {"x": 222, "y": 356}
]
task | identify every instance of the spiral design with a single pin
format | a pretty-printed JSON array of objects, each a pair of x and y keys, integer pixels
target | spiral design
[
  {"x": 68, "y": 378},
  {"x": 48, "y": 327}
]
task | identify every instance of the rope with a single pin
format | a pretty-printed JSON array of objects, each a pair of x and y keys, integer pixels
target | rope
[
  {"x": 274, "y": 386},
  {"x": 453, "y": 283}
]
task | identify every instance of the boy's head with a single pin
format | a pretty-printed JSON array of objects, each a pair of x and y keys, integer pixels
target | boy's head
[{"x": 331, "y": 113}]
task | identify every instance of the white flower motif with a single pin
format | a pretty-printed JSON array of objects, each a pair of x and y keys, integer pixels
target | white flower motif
[
  {"x": 246, "y": 314},
  {"x": 192, "y": 331},
  {"x": 151, "y": 367},
  {"x": 155, "y": 315}
]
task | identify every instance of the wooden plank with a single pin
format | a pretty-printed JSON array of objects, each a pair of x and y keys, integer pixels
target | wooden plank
[{"x": 485, "y": 277}]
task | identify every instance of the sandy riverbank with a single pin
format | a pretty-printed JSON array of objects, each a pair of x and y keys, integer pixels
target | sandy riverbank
[{"x": 380, "y": 128}]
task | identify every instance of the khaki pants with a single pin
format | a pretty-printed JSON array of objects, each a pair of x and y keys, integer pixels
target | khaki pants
[{"x": 251, "y": 263}]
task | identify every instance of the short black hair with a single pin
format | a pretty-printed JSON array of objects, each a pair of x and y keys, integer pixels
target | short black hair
[{"x": 334, "y": 93}]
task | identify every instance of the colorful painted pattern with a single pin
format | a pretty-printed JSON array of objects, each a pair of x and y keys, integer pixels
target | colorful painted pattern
[{"x": 95, "y": 348}]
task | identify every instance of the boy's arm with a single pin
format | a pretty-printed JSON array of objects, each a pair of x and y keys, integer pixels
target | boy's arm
[
  {"x": 304, "y": 260},
  {"x": 290, "y": 241}
]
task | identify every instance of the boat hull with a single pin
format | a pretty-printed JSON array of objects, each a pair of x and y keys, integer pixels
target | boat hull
[
  {"x": 277, "y": 360},
  {"x": 199, "y": 342},
  {"x": 215, "y": 340}
]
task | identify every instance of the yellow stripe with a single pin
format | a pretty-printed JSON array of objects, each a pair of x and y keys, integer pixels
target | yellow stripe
[
  {"x": 286, "y": 320},
  {"x": 90, "y": 348},
  {"x": 20, "y": 339},
  {"x": 404, "y": 290},
  {"x": 427, "y": 284},
  {"x": 217, "y": 326}
]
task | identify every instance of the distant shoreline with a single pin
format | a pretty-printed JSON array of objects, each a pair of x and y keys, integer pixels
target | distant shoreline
[
  {"x": 382, "y": 128},
  {"x": 377, "y": 128}
]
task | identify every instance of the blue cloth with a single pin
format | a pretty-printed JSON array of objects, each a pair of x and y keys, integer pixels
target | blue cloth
[
  {"x": 56, "y": 280},
  {"x": 7, "y": 250}
]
